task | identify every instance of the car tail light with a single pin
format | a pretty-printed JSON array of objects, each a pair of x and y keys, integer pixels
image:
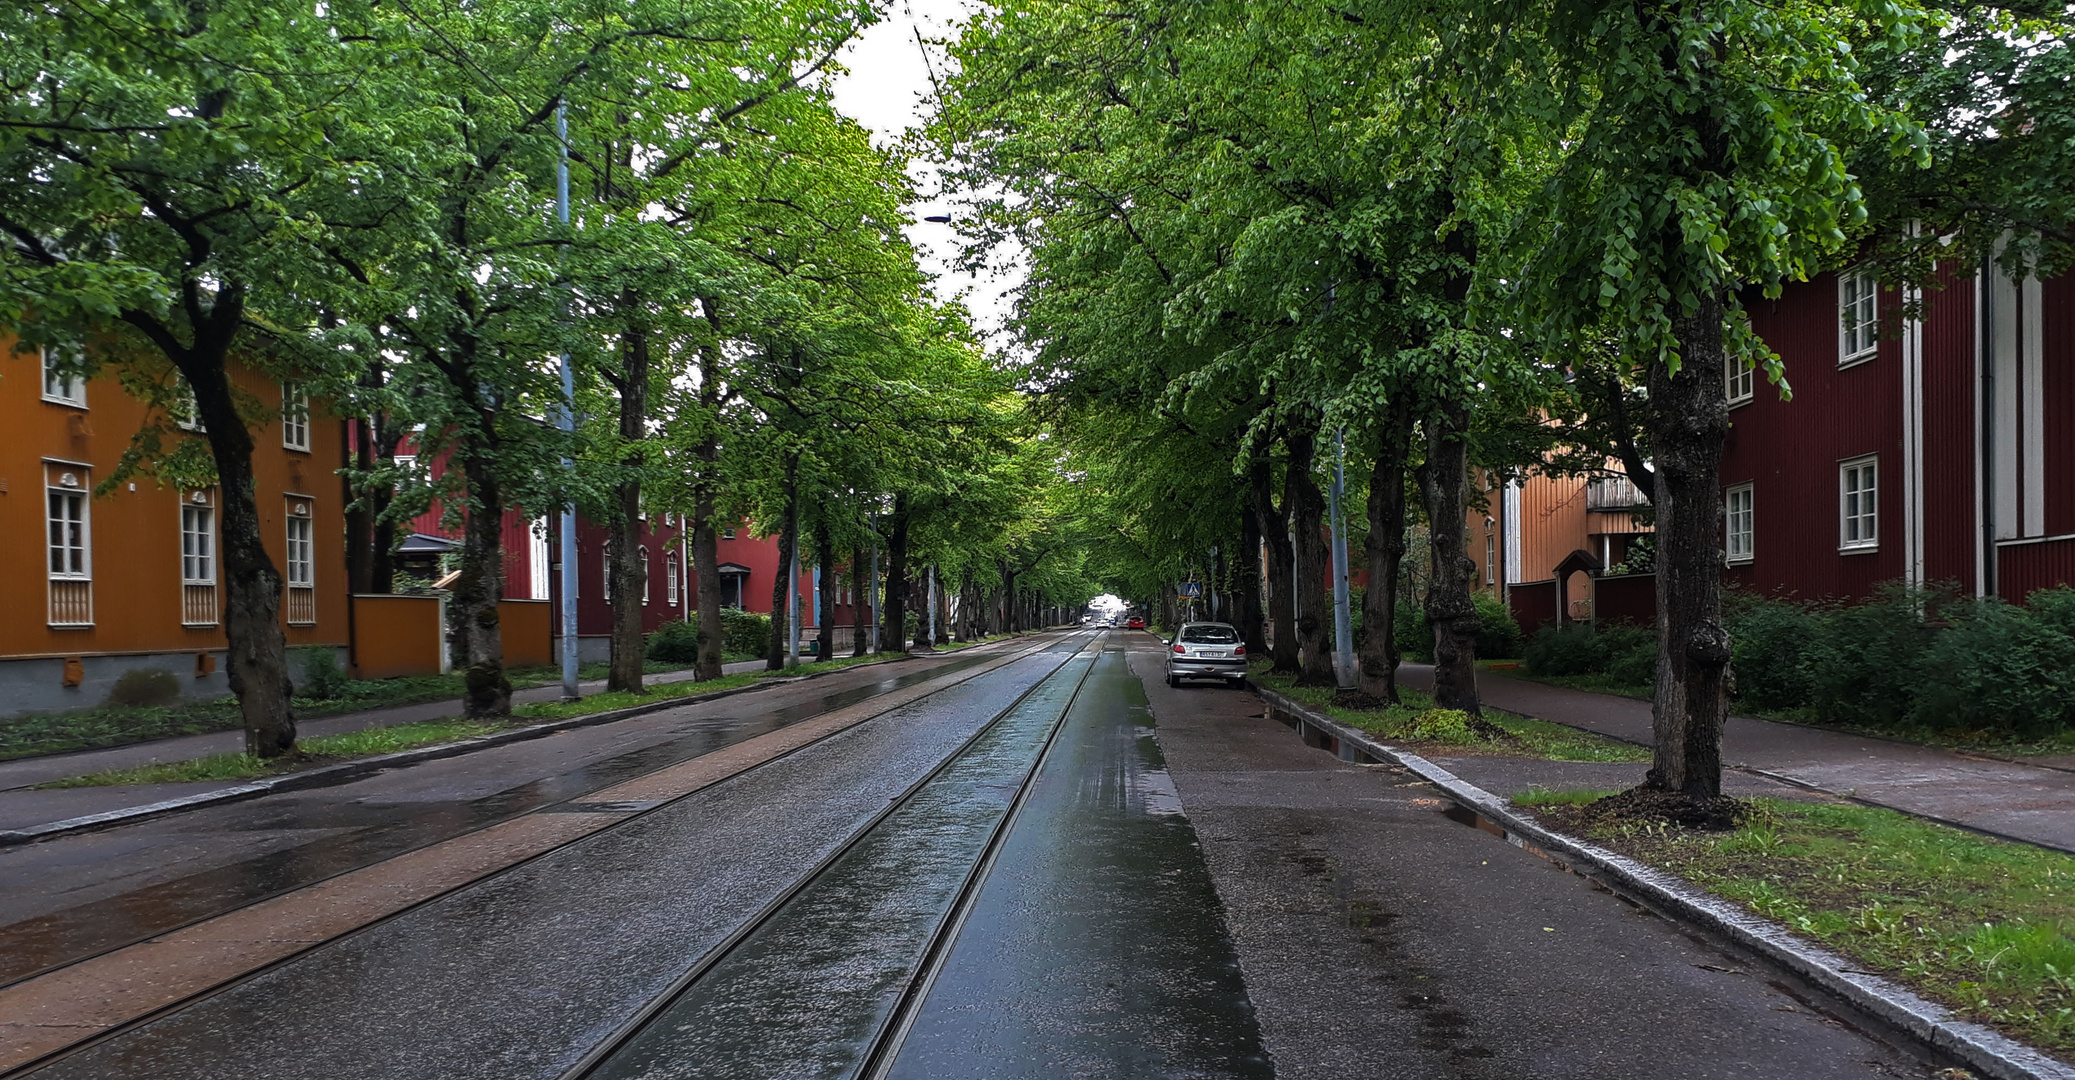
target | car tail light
[
  {"x": 1239, "y": 650},
  {"x": 1179, "y": 649}
]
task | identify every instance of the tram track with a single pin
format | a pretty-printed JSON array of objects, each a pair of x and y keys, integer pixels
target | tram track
[
  {"x": 824, "y": 979},
  {"x": 588, "y": 815}
]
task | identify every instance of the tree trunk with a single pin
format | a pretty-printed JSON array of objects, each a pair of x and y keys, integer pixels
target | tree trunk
[
  {"x": 706, "y": 556},
  {"x": 257, "y": 667},
  {"x": 782, "y": 585},
  {"x": 1246, "y": 613},
  {"x": 1385, "y": 550},
  {"x": 1688, "y": 416},
  {"x": 894, "y": 632},
  {"x": 1275, "y": 537},
  {"x": 825, "y": 612},
  {"x": 629, "y": 582},
  {"x": 472, "y": 607},
  {"x": 360, "y": 514},
  {"x": 923, "y": 608},
  {"x": 1307, "y": 509},
  {"x": 1442, "y": 480},
  {"x": 860, "y": 605}
]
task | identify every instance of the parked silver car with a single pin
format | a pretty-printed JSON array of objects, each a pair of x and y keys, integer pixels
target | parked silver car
[{"x": 1206, "y": 650}]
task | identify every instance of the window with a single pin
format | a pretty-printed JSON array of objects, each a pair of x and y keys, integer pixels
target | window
[
  {"x": 1741, "y": 381},
  {"x": 70, "y": 548},
  {"x": 60, "y": 385},
  {"x": 1857, "y": 483},
  {"x": 670, "y": 574},
  {"x": 198, "y": 560},
  {"x": 1739, "y": 524},
  {"x": 727, "y": 534},
  {"x": 1858, "y": 316},
  {"x": 1490, "y": 553},
  {"x": 302, "y": 562},
  {"x": 644, "y": 574},
  {"x": 295, "y": 417},
  {"x": 198, "y": 543},
  {"x": 183, "y": 409}
]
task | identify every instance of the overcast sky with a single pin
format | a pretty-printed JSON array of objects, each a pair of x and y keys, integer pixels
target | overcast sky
[{"x": 884, "y": 90}]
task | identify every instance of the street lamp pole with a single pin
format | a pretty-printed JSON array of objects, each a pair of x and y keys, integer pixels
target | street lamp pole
[{"x": 567, "y": 422}]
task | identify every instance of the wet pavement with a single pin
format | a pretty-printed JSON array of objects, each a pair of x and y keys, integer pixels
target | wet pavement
[
  {"x": 520, "y": 974},
  {"x": 65, "y": 899},
  {"x": 1058, "y": 868},
  {"x": 2033, "y": 803}
]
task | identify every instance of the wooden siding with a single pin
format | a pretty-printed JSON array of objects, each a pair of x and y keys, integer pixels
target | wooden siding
[
  {"x": 1789, "y": 450},
  {"x": 1951, "y": 444},
  {"x": 2025, "y": 567},
  {"x": 138, "y": 602},
  {"x": 2057, "y": 374}
]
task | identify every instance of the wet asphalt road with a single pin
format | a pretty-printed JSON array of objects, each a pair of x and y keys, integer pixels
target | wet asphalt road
[{"x": 1062, "y": 868}]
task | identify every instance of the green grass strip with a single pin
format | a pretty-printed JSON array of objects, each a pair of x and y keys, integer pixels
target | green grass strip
[
  {"x": 1538, "y": 738},
  {"x": 1984, "y": 926}
]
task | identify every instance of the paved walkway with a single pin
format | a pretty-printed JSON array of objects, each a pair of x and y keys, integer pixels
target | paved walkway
[
  {"x": 27, "y": 772},
  {"x": 2021, "y": 801}
]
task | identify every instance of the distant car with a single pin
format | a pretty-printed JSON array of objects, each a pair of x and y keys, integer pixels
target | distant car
[
  {"x": 1136, "y": 622},
  {"x": 1206, "y": 650}
]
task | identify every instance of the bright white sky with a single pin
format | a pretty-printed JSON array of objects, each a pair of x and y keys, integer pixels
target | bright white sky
[{"x": 884, "y": 90}]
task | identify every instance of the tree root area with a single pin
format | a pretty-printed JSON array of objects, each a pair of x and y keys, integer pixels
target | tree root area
[{"x": 1647, "y": 804}]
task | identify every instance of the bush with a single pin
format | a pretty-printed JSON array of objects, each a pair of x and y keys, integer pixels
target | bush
[
  {"x": 1450, "y": 726},
  {"x": 1414, "y": 637},
  {"x": 1866, "y": 664},
  {"x": 1498, "y": 636},
  {"x": 322, "y": 680},
  {"x": 1623, "y": 652},
  {"x": 2002, "y": 669},
  {"x": 143, "y": 688},
  {"x": 1562, "y": 650},
  {"x": 675, "y": 643},
  {"x": 1771, "y": 642},
  {"x": 744, "y": 633},
  {"x": 1629, "y": 653}
]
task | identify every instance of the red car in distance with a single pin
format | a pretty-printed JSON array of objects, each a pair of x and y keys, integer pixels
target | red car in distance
[{"x": 1136, "y": 622}]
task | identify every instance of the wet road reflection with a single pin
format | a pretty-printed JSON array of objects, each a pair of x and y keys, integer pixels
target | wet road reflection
[{"x": 356, "y": 833}]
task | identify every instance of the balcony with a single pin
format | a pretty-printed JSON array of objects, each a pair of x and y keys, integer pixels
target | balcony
[{"x": 1613, "y": 495}]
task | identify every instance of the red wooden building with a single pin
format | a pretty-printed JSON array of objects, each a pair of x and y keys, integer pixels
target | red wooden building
[{"x": 1922, "y": 450}]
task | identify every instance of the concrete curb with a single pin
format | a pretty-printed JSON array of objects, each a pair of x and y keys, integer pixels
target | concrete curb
[
  {"x": 1980, "y": 1048},
  {"x": 329, "y": 775}
]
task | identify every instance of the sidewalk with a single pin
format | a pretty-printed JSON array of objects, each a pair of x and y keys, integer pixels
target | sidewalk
[
  {"x": 2022, "y": 802},
  {"x": 30, "y": 771}
]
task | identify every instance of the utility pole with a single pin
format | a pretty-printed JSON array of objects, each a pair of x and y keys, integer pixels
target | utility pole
[
  {"x": 568, "y": 424},
  {"x": 1343, "y": 619},
  {"x": 933, "y": 606}
]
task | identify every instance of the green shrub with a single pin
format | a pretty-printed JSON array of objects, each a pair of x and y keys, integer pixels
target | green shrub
[
  {"x": 1498, "y": 636},
  {"x": 2002, "y": 669},
  {"x": 1562, "y": 650},
  {"x": 1772, "y": 640},
  {"x": 1866, "y": 665},
  {"x": 1414, "y": 637},
  {"x": 744, "y": 633},
  {"x": 675, "y": 643},
  {"x": 1623, "y": 652},
  {"x": 322, "y": 680},
  {"x": 1630, "y": 653},
  {"x": 145, "y": 688},
  {"x": 1450, "y": 726}
]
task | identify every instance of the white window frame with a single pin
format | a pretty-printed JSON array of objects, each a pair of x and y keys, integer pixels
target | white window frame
[
  {"x": 605, "y": 572},
  {"x": 1736, "y": 554},
  {"x": 642, "y": 559},
  {"x": 81, "y": 496},
  {"x": 1858, "y": 316},
  {"x": 198, "y": 552},
  {"x": 71, "y": 389},
  {"x": 295, "y": 418},
  {"x": 1865, "y": 511},
  {"x": 727, "y": 534},
  {"x": 301, "y": 566},
  {"x": 1490, "y": 556},
  {"x": 1740, "y": 382},
  {"x": 187, "y": 414},
  {"x": 671, "y": 582}
]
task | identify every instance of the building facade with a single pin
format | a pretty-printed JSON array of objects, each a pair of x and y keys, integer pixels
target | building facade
[{"x": 99, "y": 585}]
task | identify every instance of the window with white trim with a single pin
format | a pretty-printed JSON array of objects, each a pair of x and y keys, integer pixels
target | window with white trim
[
  {"x": 727, "y": 534},
  {"x": 70, "y": 557},
  {"x": 670, "y": 574},
  {"x": 643, "y": 560},
  {"x": 1739, "y": 524},
  {"x": 302, "y": 547},
  {"x": 60, "y": 385},
  {"x": 198, "y": 542},
  {"x": 1490, "y": 558},
  {"x": 295, "y": 417},
  {"x": 1858, "y": 316},
  {"x": 1858, "y": 500},
  {"x": 605, "y": 578},
  {"x": 186, "y": 414},
  {"x": 1740, "y": 381}
]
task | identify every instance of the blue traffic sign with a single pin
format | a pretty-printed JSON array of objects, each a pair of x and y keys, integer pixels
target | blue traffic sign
[{"x": 1192, "y": 589}]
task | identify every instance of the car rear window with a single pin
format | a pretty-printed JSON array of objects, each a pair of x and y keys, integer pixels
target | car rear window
[{"x": 1210, "y": 635}]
